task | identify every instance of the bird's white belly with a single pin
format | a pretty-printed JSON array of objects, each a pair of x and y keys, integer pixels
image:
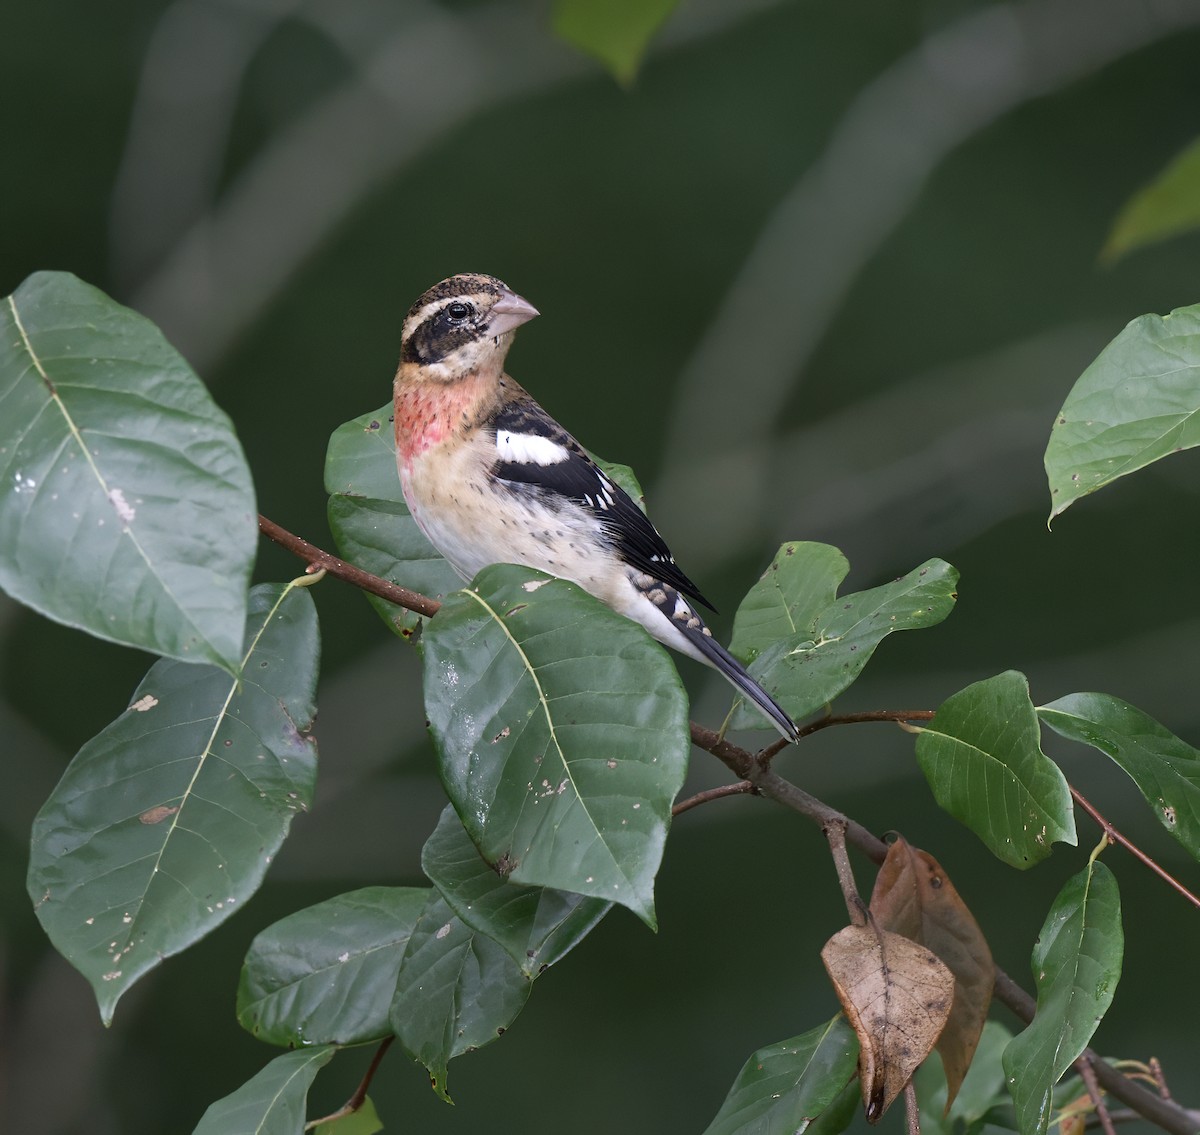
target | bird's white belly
[{"x": 474, "y": 521}]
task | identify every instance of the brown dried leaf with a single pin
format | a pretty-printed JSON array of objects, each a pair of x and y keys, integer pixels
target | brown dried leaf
[
  {"x": 913, "y": 896},
  {"x": 897, "y": 996}
]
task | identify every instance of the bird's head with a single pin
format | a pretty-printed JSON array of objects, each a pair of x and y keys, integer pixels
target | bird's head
[{"x": 462, "y": 326}]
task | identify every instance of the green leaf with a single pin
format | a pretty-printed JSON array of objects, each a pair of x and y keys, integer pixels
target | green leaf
[
  {"x": 536, "y": 925},
  {"x": 562, "y": 734},
  {"x": 616, "y": 32},
  {"x": 1137, "y": 403},
  {"x": 1076, "y": 965},
  {"x": 1168, "y": 206},
  {"x": 370, "y": 522},
  {"x": 784, "y": 1087},
  {"x": 807, "y": 647},
  {"x": 457, "y": 991},
  {"x": 166, "y": 821},
  {"x": 789, "y": 598},
  {"x": 326, "y": 974},
  {"x": 127, "y": 508},
  {"x": 1165, "y": 769},
  {"x": 981, "y": 1090},
  {"x": 982, "y": 758},
  {"x": 364, "y": 1121},
  {"x": 271, "y": 1103}
]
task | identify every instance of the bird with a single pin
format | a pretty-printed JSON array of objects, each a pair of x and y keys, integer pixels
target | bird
[{"x": 490, "y": 477}]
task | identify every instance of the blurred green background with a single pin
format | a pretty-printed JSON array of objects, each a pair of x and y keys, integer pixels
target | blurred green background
[{"x": 824, "y": 271}]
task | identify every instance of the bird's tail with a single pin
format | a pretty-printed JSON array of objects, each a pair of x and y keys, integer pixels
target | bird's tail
[
  {"x": 659, "y": 601},
  {"x": 720, "y": 659}
]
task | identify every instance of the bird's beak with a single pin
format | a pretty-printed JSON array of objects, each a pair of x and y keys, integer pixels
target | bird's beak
[{"x": 509, "y": 312}]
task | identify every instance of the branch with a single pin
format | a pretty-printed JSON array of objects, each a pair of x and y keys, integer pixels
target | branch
[
  {"x": 1114, "y": 836},
  {"x": 316, "y": 558},
  {"x": 750, "y": 767},
  {"x": 739, "y": 788}
]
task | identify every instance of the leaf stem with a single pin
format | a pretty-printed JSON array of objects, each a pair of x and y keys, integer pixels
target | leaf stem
[
  {"x": 360, "y": 1093},
  {"x": 1115, "y": 836}
]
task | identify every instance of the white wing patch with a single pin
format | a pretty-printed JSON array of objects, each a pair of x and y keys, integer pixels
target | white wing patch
[{"x": 529, "y": 449}]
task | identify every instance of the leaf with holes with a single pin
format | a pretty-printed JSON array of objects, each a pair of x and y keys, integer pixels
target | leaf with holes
[
  {"x": 786, "y": 1086},
  {"x": 1165, "y": 769},
  {"x": 806, "y": 645},
  {"x": 536, "y": 925},
  {"x": 1076, "y": 966},
  {"x": 272, "y": 1102},
  {"x": 370, "y": 522},
  {"x": 1137, "y": 403},
  {"x": 982, "y": 758},
  {"x": 457, "y": 991},
  {"x": 168, "y": 818},
  {"x": 126, "y": 506},
  {"x": 562, "y": 734},
  {"x": 326, "y": 974}
]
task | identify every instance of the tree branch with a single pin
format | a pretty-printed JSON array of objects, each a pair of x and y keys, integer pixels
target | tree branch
[
  {"x": 738, "y": 788},
  {"x": 750, "y": 767}
]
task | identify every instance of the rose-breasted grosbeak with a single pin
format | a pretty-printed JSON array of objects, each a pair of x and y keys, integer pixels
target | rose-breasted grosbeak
[{"x": 490, "y": 477}]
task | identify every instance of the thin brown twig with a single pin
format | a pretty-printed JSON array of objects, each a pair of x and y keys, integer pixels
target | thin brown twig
[
  {"x": 1084, "y": 1066},
  {"x": 912, "y": 1113},
  {"x": 835, "y": 833},
  {"x": 1116, "y": 837},
  {"x": 893, "y": 715},
  {"x": 317, "y": 558},
  {"x": 360, "y": 1093},
  {"x": 738, "y": 788},
  {"x": 1165, "y": 1113}
]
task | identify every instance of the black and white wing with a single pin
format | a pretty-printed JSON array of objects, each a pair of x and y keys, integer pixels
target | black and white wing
[{"x": 533, "y": 450}]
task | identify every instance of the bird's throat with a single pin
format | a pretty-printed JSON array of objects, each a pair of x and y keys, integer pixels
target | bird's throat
[{"x": 429, "y": 414}]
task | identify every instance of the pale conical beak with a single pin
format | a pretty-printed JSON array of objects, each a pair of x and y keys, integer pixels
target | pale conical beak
[{"x": 508, "y": 313}]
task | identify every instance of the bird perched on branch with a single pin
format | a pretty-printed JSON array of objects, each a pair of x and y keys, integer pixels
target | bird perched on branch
[{"x": 490, "y": 478}]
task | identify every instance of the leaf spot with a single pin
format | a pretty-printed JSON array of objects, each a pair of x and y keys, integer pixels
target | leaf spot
[
  {"x": 145, "y": 702},
  {"x": 157, "y": 815},
  {"x": 125, "y": 511},
  {"x": 534, "y": 584},
  {"x": 444, "y": 930}
]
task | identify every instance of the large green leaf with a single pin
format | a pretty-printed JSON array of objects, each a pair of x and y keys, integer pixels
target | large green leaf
[
  {"x": 272, "y": 1102},
  {"x": 536, "y": 925},
  {"x": 806, "y": 645},
  {"x": 1166, "y": 769},
  {"x": 326, "y": 974},
  {"x": 127, "y": 508},
  {"x": 370, "y": 522},
  {"x": 457, "y": 991},
  {"x": 1138, "y": 402},
  {"x": 1168, "y": 206},
  {"x": 1076, "y": 966},
  {"x": 784, "y": 1087},
  {"x": 562, "y": 734},
  {"x": 167, "y": 819},
  {"x": 982, "y": 758},
  {"x": 616, "y": 32}
]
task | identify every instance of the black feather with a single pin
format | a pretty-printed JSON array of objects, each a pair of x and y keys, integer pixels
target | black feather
[{"x": 580, "y": 480}]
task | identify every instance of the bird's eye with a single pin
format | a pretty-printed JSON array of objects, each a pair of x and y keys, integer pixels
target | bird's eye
[{"x": 460, "y": 311}]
